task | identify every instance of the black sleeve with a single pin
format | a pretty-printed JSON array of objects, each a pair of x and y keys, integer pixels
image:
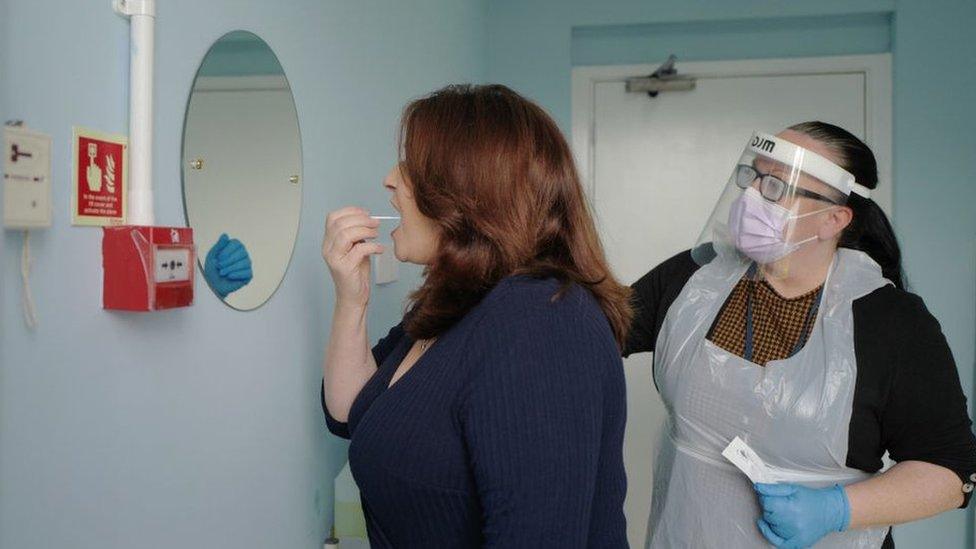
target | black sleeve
[
  {"x": 923, "y": 414},
  {"x": 386, "y": 344},
  {"x": 335, "y": 426},
  {"x": 653, "y": 295},
  {"x": 381, "y": 350}
]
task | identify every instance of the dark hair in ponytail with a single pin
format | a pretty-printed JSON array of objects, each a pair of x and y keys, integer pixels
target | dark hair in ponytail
[{"x": 869, "y": 231}]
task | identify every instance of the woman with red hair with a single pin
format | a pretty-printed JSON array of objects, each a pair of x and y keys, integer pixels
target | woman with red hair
[{"x": 493, "y": 414}]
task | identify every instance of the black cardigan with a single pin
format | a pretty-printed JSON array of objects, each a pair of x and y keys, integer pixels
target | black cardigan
[{"x": 507, "y": 432}]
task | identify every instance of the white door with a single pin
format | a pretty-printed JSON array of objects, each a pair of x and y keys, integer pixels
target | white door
[{"x": 654, "y": 168}]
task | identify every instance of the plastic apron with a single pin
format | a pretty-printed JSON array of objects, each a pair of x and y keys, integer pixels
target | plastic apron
[{"x": 795, "y": 413}]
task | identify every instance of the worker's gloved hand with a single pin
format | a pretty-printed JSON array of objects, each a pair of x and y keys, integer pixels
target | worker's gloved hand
[
  {"x": 228, "y": 266},
  {"x": 795, "y": 516}
]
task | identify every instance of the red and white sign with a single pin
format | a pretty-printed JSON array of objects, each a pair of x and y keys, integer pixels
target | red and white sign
[{"x": 99, "y": 178}]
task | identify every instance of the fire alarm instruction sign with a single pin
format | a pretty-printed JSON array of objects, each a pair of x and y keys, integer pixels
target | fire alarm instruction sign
[{"x": 99, "y": 179}]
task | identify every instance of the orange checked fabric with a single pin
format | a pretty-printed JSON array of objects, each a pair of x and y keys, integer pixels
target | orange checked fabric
[{"x": 777, "y": 322}]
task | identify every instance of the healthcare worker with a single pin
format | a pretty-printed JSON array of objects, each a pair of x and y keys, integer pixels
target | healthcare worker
[{"x": 788, "y": 326}]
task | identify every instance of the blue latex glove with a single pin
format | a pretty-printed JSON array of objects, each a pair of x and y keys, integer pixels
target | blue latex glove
[
  {"x": 795, "y": 516},
  {"x": 228, "y": 266}
]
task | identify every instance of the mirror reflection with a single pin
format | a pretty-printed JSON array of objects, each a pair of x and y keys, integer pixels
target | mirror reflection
[{"x": 242, "y": 169}]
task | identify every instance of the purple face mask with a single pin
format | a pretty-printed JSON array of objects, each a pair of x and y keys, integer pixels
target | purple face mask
[{"x": 758, "y": 228}]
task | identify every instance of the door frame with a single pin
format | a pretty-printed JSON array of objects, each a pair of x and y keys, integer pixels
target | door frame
[{"x": 876, "y": 69}]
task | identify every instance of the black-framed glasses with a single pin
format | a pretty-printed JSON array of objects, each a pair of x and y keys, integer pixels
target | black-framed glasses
[{"x": 771, "y": 187}]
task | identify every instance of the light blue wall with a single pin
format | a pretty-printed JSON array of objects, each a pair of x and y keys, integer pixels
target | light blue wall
[
  {"x": 533, "y": 45},
  {"x": 197, "y": 427}
]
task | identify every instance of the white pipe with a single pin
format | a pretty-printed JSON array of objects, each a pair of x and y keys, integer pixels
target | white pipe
[{"x": 142, "y": 20}]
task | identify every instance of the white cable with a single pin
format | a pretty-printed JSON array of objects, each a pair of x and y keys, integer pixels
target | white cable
[{"x": 30, "y": 315}]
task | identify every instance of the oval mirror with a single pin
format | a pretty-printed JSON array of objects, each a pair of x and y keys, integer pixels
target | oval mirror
[{"x": 242, "y": 170}]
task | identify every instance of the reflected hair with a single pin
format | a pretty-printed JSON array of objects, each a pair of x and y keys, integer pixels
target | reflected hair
[
  {"x": 869, "y": 230},
  {"x": 496, "y": 175}
]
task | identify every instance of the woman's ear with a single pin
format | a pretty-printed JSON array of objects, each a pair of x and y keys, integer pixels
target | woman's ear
[{"x": 834, "y": 223}]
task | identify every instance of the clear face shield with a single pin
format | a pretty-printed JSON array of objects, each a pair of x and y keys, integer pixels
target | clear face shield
[{"x": 769, "y": 208}]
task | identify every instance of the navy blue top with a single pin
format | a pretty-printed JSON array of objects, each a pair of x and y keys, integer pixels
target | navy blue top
[{"x": 507, "y": 432}]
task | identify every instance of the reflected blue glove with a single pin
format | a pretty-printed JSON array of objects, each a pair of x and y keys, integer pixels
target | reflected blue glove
[
  {"x": 228, "y": 266},
  {"x": 795, "y": 516}
]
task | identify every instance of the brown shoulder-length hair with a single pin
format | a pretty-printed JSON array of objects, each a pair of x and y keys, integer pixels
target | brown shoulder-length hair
[{"x": 494, "y": 172}]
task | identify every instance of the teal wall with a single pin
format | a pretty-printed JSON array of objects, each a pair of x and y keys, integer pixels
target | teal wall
[
  {"x": 732, "y": 39},
  {"x": 198, "y": 427},
  {"x": 532, "y": 47},
  {"x": 935, "y": 189},
  {"x": 239, "y": 53}
]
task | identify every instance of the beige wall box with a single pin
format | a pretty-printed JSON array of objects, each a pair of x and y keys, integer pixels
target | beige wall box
[{"x": 26, "y": 178}]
